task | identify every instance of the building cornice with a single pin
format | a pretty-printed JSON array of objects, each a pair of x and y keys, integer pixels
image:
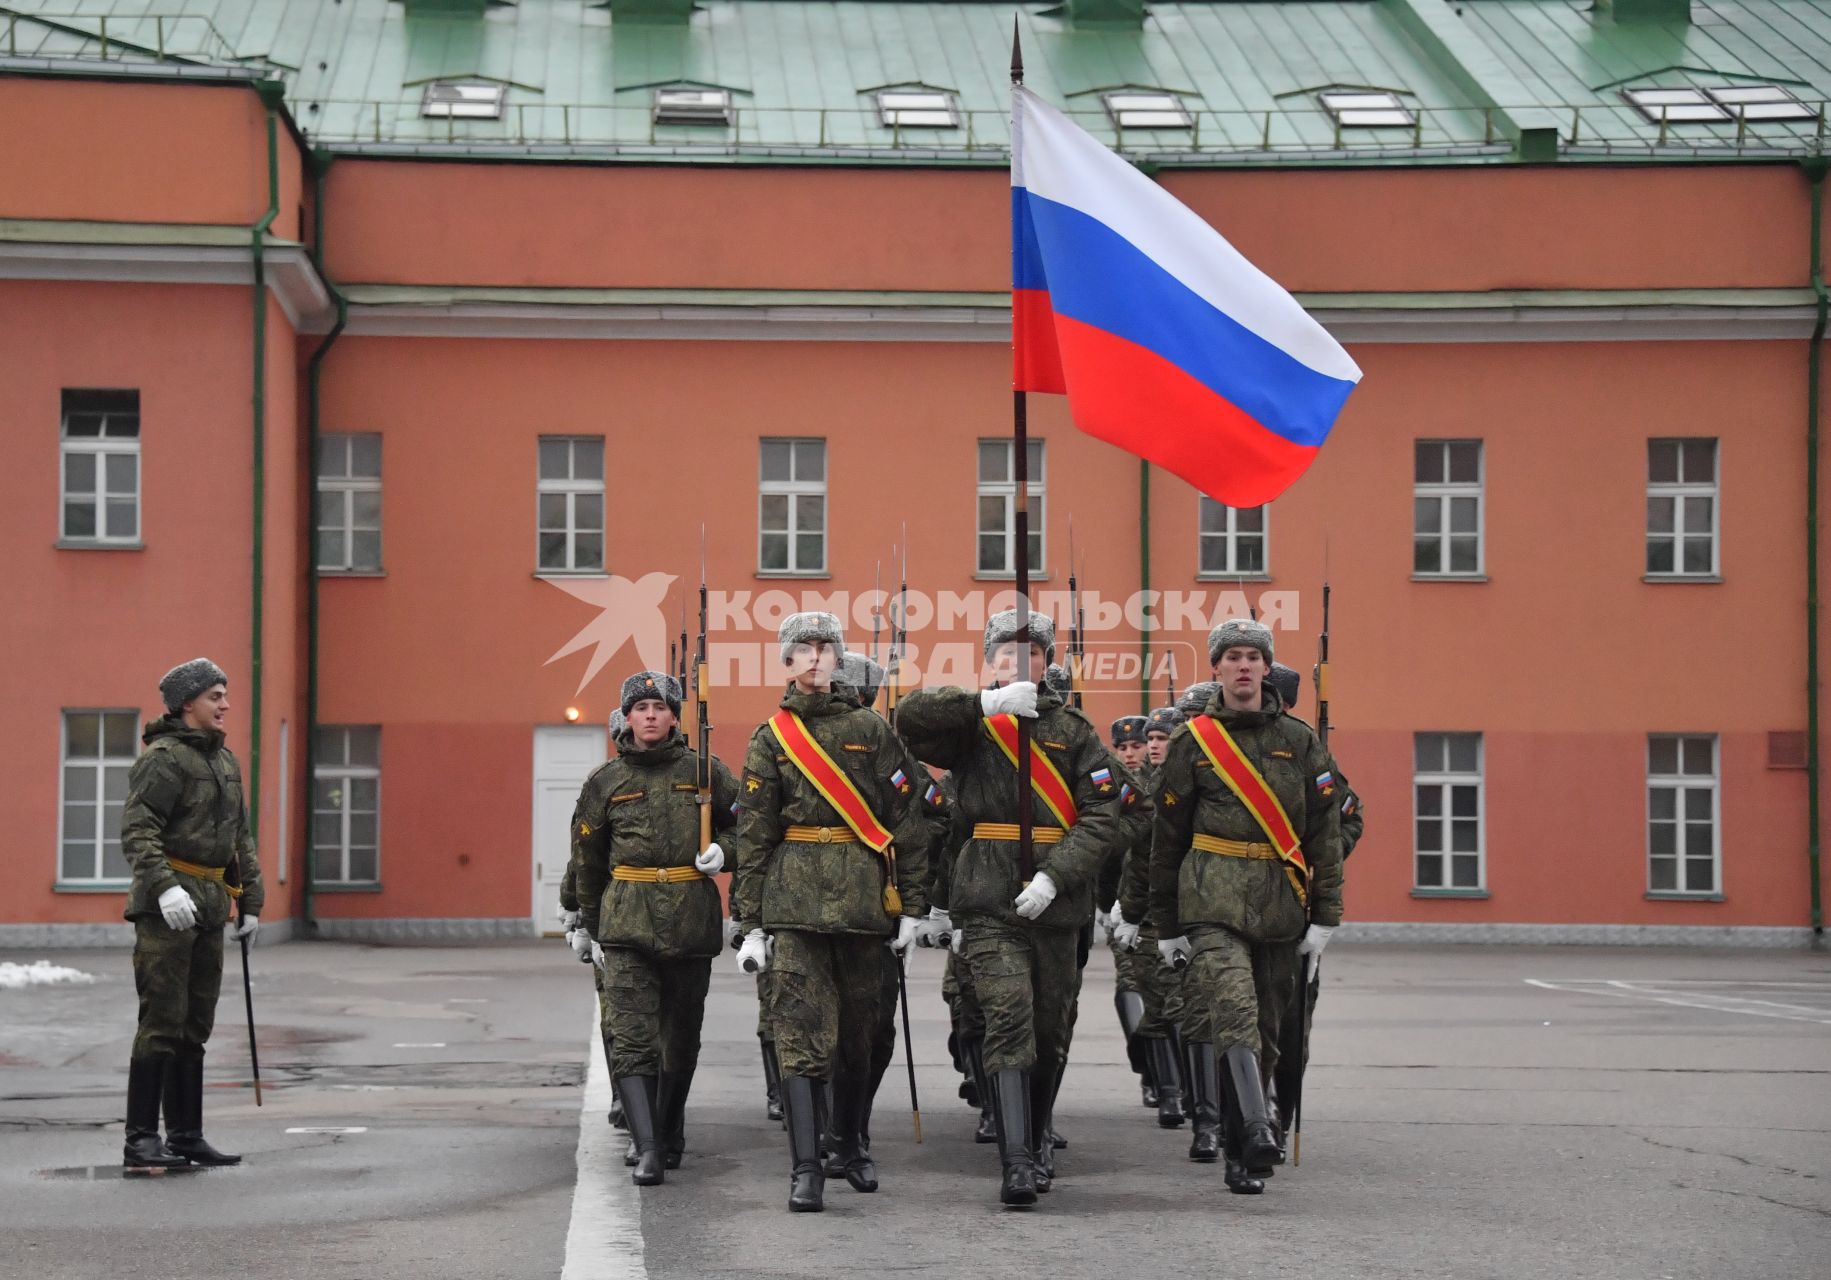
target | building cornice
[{"x": 149, "y": 254}]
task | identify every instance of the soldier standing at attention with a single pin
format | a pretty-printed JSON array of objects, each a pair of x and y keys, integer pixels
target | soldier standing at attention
[
  {"x": 1019, "y": 933},
  {"x": 1160, "y": 724},
  {"x": 1245, "y": 883},
  {"x": 184, "y": 830},
  {"x": 825, "y": 785},
  {"x": 647, "y": 902},
  {"x": 580, "y": 941}
]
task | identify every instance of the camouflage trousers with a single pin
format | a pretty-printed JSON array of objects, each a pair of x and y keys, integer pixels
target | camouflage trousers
[
  {"x": 763, "y": 985},
  {"x": 1160, "y": 986},
  {"x": 178, "y": 974},
  {"x": 1235, "y": 992},
  {"x": 962, "y": 1001},
  {"x": 652, "y": 1009},
  {"x": 1027, "y": 981},
  {"x": 883, "y": 1031},
  {"x": 825, "y": 990}
]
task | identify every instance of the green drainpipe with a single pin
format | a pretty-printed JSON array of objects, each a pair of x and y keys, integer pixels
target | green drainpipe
[
  {"x": 1815, "y": 173},
  {"x": 1144, "y": 585},
  {"x": 272, "y": 93},
  {"x": 320, "y": 165}
]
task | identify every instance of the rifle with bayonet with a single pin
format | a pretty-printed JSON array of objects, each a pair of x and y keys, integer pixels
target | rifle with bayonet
[
  {"x": 1076, "y": 655},
  {"x": 702, "y": 666}
]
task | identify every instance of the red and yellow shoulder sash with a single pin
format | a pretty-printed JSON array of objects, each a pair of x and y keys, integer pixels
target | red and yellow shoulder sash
[
  {"x": 829, "y": 780},
  {"x": 1251, "y": 789},
  {"x": 1045, "y": 779}
]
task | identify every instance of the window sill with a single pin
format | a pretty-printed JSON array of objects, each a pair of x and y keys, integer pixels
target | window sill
[
  {"x": 1681, "y": 577},
  {"x": 1007, "y": 577},
  {"x": 91, "y": 886},
  {"x": 91, "y": 544},
  {"x": 569, "y": 573},
  {"x": 352, "y": 573},
  {"x": 351, "y": 887},
  {"x": 1233, "y": 577},
  {"x": 1449, "y": 577},
  {"x": 1449, "y": 893},
  {"x": 789, "y": 575},
  {"x": 1674, "y": 895}
]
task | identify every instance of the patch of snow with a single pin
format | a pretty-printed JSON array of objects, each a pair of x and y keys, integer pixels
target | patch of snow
[{"x": 40, "y": 973}]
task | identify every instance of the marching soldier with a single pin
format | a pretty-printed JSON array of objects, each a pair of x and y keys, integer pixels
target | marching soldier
[
  {"x": 1017, "y": 926},
  {"x": 1162, "y": 723},
  {"x": 647, "y": 901},
  {"x": 1245, "y": 885},
  {"x": 580, "y": 941},
  {"x": 1128, "y": 734},
  {"x": 825, "y": 785},
  {"x": 966, "y": 1040},
  {"x": 1289, "y": 684},
  {"x": 184, "y": 830}
]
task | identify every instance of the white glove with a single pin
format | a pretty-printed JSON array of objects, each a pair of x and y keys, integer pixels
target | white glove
[
  {"x": 1018, "y": 698},
  {"x": 1174, "y": 952},
  {"x": 1125, "y": 936},
  {"x": 597, "y": 954},
  {"x": 1315, "y": 938},
  {"x": 1036, "y": 897},
  {"x": 1102, "y": 926},
  {"x": 753, "y": 956},
  {"x": 244, "y": 927},
  {"x": 179, "y": 910},
  {"x": 957, "y": 943},
  {"x": 733, "y": 934},
  {"x": 937, "y": 930},
  {"x": 712, "y": 861},
  {"x": 568, "y": 920},
  {"x": 907, "y": 929},
  {"x": 580, "y": 942}
]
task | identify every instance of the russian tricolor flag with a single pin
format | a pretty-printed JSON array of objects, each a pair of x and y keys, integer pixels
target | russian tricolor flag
[{"x": 1166, "y": 341}]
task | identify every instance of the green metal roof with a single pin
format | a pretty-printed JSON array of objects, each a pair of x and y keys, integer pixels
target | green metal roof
[{"x": 1485, "y": 80}]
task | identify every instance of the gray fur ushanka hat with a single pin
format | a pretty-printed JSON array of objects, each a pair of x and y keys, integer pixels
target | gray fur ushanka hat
[
  {"x": 189, "y": 680},
  {"x": 1001, "y": 628},
  {"x": 808, "y": 628},
  {"x": 1235, "y": 632}
]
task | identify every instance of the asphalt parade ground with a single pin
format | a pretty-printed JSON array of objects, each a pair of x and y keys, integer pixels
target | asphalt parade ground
[{"x": 439, "y": 1112}]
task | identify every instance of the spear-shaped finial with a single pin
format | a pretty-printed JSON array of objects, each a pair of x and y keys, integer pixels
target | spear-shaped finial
[{"x": 1017, "y": 53}]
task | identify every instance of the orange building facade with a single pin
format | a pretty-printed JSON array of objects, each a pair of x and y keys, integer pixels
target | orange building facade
[{"x": 1555, "y": 738}]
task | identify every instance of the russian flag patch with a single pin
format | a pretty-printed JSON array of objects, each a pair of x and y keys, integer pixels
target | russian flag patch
[
  {"x": 900, "y": 780},
  {"x": 1325, "y": 783},
  {"x": 933, "y": 795},
  {"x": 1102, "y": 777}
]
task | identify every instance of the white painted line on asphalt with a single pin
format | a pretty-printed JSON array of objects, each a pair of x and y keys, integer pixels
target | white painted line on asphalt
[
  {"x": 1691, "y": 1000},
  {"x": 604, "y": 1240},
  {"x": 420, "y": 1044},
  {"x": 312, "y": 1128},
  {"x": 468, "y": 1000}
]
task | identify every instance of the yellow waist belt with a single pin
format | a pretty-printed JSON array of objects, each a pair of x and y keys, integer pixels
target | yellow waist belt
[
  {"x": 821, "y": 835},
  {"x": 206, "y": 873},
  {"x": 656, "y": 875},
  {"x": 1256, "y": 850},
  {"x": 1008, "y": 831}
]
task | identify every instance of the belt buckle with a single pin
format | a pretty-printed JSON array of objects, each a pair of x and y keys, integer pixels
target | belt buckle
[{"x": 826, "y": 835}]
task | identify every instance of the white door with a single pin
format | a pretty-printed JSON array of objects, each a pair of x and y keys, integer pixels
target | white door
[{"x": 563, "y": 758}]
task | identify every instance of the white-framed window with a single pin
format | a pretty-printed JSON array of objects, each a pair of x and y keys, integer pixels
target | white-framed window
[
  {"x": 571, "y": 498},
  {"x": 97, "y": 751},
  {"x": 346, "y": 805},
  {"x": 464, "y": 99},
  {"x": 1368, "y": 109},
  {"x": 998, "y": 507},
  {"x": 1682, "y": 508},
  {"x": 1139, "y": 109},
  {"x": 1675, "y": 106},
  {"x": 1446, "y": 508},
  {"x": 692, "y": 106},
  {"x": 1449, "y": 837},
  {"x": 791, "y": 506},
  {"x": 1234, "y": 540},
  {"x": 100, "y": 456},
  {"x": 1683, "y": 846},
  {"x": 1755, "y": 102},
  {"x": 349, "y": 502},
  {"x": 917, "y": 108}
]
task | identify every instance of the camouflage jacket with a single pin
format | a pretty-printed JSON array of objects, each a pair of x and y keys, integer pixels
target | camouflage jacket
[
  {"x": 1252, "y": 898},
  {"x": 1135, "y": 827},
  {"x": 1135, "y": 877},
  {"x": 184, "y": 801},
  {"x": 946, "y": 727},
  {"x": 837, "y": 886},
  {"x": 642, "y": 810}
]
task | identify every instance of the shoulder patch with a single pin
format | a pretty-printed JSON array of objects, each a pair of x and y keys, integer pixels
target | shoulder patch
[
  {"x": 752, "y": 783},
  {"x": 1350, "y": 804},
  {"x": 933, "y": 795},
  {"x": 1325, "y": 783},
  {"x": 1167, "y": 796}
]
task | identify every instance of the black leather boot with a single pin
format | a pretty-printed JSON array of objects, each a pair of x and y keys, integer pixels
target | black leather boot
[
  {"x": 671, "y": 1094},
  {"x": 616, "y": 1103},
  {"x": 1169, "y": 1083},
  {"x": 143, "y": 1150},
  {"x": 1011, "y": 1117},
  {"x": 807, "y": 1185},
  {"x": 1130, "y": 1006},
  {"x": 1186, "y": 1062},
  {"x": 1042, "y": 1144},
  {"x": 851, "y": 1104},
  {"x": 639, "y": 1094},
  {"x": 1205, "y": 1096},
  {"x": 184, "y": 1113},
  {"x": 1258, "y": 1141},
  {"x": 1274, "y": 1112},
  {"x": 772, "y": 1080},
  {"x": 974, "y": 1048}
]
